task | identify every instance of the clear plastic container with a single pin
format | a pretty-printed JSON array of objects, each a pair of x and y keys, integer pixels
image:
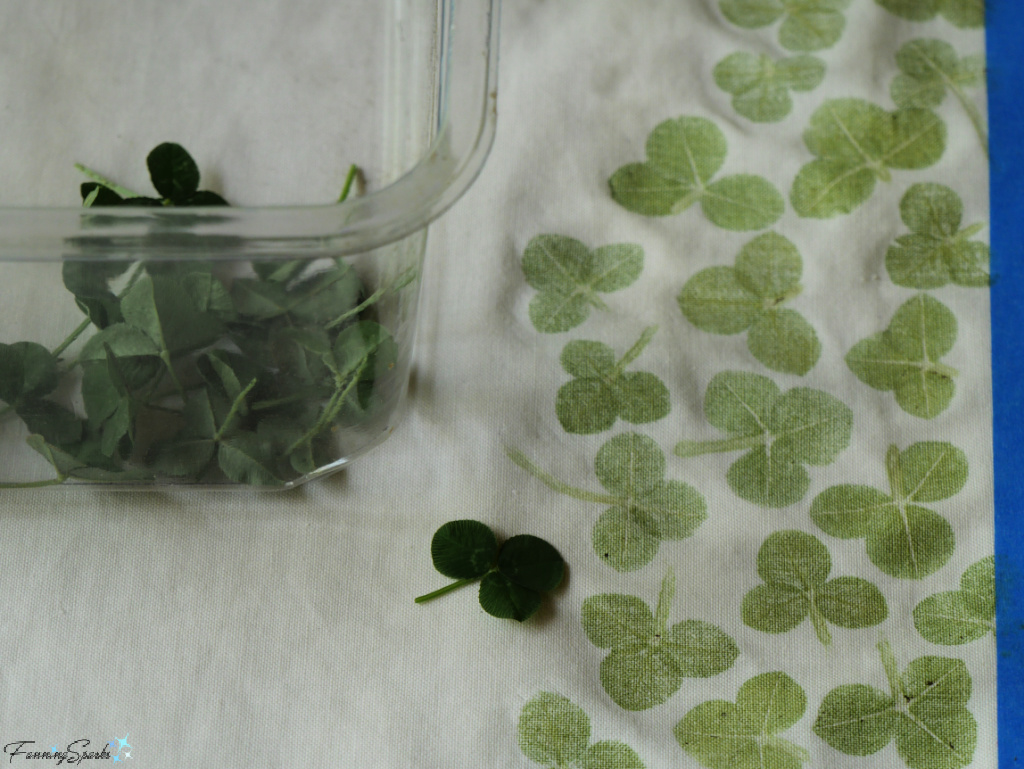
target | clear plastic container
[{"x": 260, "y": 344}]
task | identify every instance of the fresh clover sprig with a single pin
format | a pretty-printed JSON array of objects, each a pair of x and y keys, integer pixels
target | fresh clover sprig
[
  {"x": 808, "y": 25},
  {"x": 513, "y": 576},
  {"x": 966, "y": 14},
  {"x": 959, "y": 616},
  {"x": 760, "y": 85}
]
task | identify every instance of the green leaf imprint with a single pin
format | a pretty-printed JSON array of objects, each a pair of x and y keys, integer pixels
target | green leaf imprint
[
  {"x": 925, "y": 711},
  {"x": 904, "y": 539},
  {"x": 682, "y": 157},
  {"x": 760, "y": 85},
  {"x": 959, "y": 616},
  {"x": 749, "y": 297},
  {"x": 905, "y": 357},
  {"x": 744, "y": 735},
  {"x": 781, "y": 433},
  {"x": 937, "y": 251},
  {"x": 645, "y": 509},
  {"x": 808, "y": 25},
  {"x": 857, "y": 143},
  {"x": 569, "y": 276},
  {"x": 648, "y": 660},
  {"x": 555, "y": 733},
  {"x": 966, "y": 14}
]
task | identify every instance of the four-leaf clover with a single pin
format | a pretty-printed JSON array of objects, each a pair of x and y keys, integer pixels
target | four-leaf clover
[
  {"x": 760, "y": 85},
  {"x": 958, "y": 616},
  {"x": 809, "y": 25}
]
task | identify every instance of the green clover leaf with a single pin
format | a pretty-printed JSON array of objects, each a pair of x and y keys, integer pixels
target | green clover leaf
[
  {"x": 809, "y": 25},
  {"x": 760, "y": 85},
  {"x": 966, "y": 14},
  {"x": 959, "y": 616}
]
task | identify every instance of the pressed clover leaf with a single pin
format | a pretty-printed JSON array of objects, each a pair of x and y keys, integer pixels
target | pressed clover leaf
[
  {"x": 936, "y": 251},
  {"x": 856, "y": 144},
  {"x": 760, "y": 85},
  {"x": 745, "y": 734},
  {"x": 795, "y": 568},
  {"x": 602, "y": 391},
  {"x": 648, "y": 660},
  {"x": 569, "y": 276},
  {"x": 905, "y": 357},
  {"x": 904, "y": 539},
  {"x": 959, "y": 616},
  {"x": 781, "y": 432},
  {"x": 644, "y": 508},
  {"x": 682, "y": 157},
  {"x": 925, "y": 711},
  {"x": 809, "y": 25},
  {"x": 748, "y": 297},
  {"x": 966, "y": 14}
]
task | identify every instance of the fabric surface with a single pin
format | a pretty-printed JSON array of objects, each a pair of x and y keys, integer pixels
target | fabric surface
[{"x": 713, "y": 321}]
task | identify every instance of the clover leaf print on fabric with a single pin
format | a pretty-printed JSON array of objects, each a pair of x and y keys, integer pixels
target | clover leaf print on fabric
[
  {"x": 569, "y": 276},
  {"x": 905, "y": 357},
  {"x": 780, "y": 433},
  {"x": 808, "y": 25},
  {"x": 936, "y": 251},
  {"x": 857, "y": 144},
  {"x": 745, "y": 735},
  {"x": 965, "y": 14},
  {"x": 682, "y": 157},
  {"x": 648, "y": 660},
  {"x": 760, "y": 85},
  {"x": 904, "y": 539},
  {"x": 960, "y": 616},
  {"x": 555, "y": 733},
  {"x": 795, "y": 567},
  {"x": 643, "y": 508},
  {"x": 924, "y": 711},
  {"x": 748, "y": 297},
  {"x": 602, "y": 391}
]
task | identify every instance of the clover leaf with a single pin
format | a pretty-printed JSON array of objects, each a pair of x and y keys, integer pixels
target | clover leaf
[
  {"x": 555, "y": 733},
  {"x": 513, "y": 576},
  {"x": 856, "y": 144},
  {"x": 602, "y": 391},
  {"x": 905, "y": 357},
  {"x": 745, "y": 735},
  {"x": 748, "y": 297},
  {"x": 648, "y": 660},
  {"x": 682, "y": 157},
  {"x": 644, "y": 509},
  {"x": 568, "y": 277},
  {"x": 760, "y": 85},
  {"x": 959, "y": 616},
  {"x": 904, "y": 539},
  {"x": 795, "y": 568},
  {"x": 966, "y": 14},
  {"x": 809, "y": 25},
  {"x": 936, "y": 251},
  {"x": 925, "y": 711},
  {"x": 781, "y": 432}
]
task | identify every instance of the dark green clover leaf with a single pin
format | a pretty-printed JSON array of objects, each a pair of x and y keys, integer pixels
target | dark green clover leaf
[
  {"x": 856, "y": 144},
  {"x": 645, "y": 509},
  {"x": 602, "y": 391},
  {"x": 568, "y": 277},
  {"x": 682, "y": 157},
  {"x": 905, "y": 357},
  {"x": 966, "y": 14},
  {"x": 175, "y": 177},
  {"x": 749, "y": 297},
  {"x": 27, "y": 370},
  {"x": 781, "y": 432},
  {"x": 555, "y": 733},
  {"x": 809, "y": 25},
  {"x": 760, "y": 85},
  {"x": 795, "y": 568},
  {"x": 959, "y": 616},
  {"x": 90, "y": 283},
  {"x": 745, "y": 735},
  {"x": 648, "y": 660},
  {"x": 925, "y": 711},
  {"x": 84, "y": 461},
  {"x": 904, "y": 539},
  {"x": 936, "y": 251}
]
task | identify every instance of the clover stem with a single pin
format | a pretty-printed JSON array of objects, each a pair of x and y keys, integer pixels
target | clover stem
[
  {"x": 446, "y": 589},
  {"x": 401, "y": 281},
  {"x": 665, "y": 596},
  {"x": 973, "y": 113},
  {"x": 820, "y": 625},
  {"x": 354, "y": 173},
  {"x": 634, "y": 352},
  {"x": 33, "y": 484},
  {"x": 332, "y": 408},
  {"x": 895, "y": 472},
  {"x": 736, "y": 443},
  {"x": 556, "y": 485},
  {"x": 891, "y": 669},
  {"x": 235, "y": 407},
  {"x": 124, "y": 192}
]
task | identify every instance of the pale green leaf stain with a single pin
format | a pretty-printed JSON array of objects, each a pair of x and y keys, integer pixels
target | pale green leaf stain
[
  {"x": 683, "y": 155},
  {"x": 966, "y": 14},
  {"x": 648, "y": 659},
  {"x": 760, "y": 85},
  {"x": 959, "y": 616},
  {"x": 745, "y": 735},
  {"x": 856, "y": 144},
  {"x": 795, "y": 567},
  {"x": 905, "y": 358},
  {"x": 781, "y": 432},
  {"x": 904, "y": 539},
  {"x": 569, "y": 277},
  {"x": 807, "y": 25},
  {"x": 925, "y": 712},
  {"x": 749, "y": 297}
]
